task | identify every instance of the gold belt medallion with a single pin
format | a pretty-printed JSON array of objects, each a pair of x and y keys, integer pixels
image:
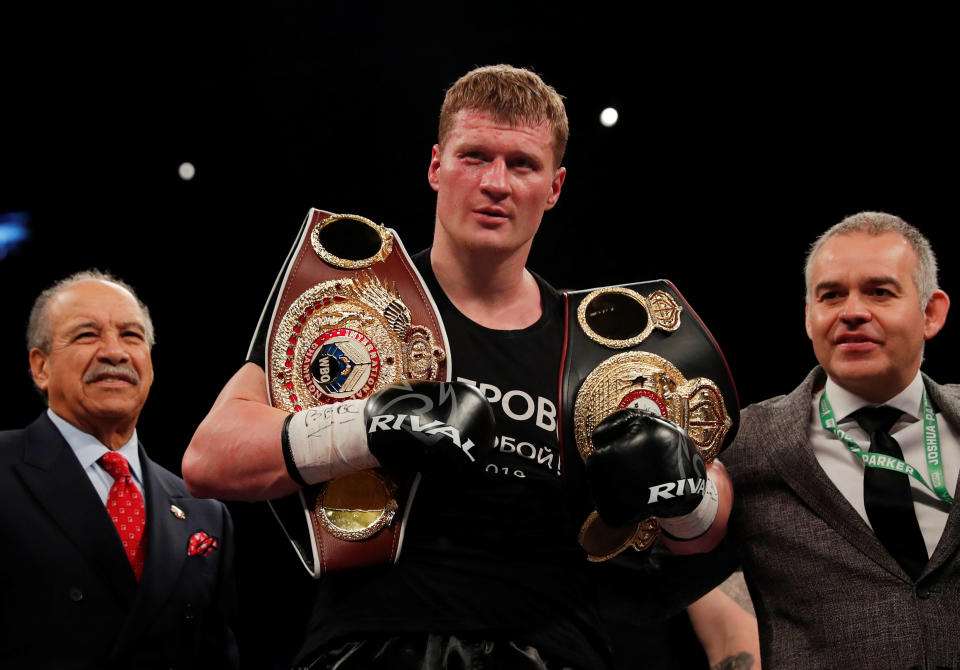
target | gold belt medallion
[
  {"x": 347, "y": 338},
  {"x": 643, "y": 380},
  {"x": 356, "y": 506}
]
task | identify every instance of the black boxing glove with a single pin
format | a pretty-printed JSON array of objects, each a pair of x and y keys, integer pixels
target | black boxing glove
[
  {"x": 405, "y": 427},
  {"x": 427, "y": 426},
  {"x": 644, "y": 465}
]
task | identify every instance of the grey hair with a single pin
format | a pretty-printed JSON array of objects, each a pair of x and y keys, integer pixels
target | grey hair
[
  {"x": 877, "y": 223},
  {"x": 38, "y": 327}
]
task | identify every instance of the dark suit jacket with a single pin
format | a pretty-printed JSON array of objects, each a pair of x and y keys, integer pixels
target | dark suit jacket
[
  {"x": 68, "y": 596},
  {"x": 826, "y": 591}
]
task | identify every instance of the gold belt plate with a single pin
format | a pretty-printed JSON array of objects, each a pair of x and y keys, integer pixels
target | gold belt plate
[
  {"x": 346, "y": 338},
  {"x": 356, "y": 506},
  {"x": 643, "y": 380}
]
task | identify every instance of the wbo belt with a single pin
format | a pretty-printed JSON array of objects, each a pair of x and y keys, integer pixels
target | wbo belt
[
  {"x": 352, "y": 315},
  {"x": 642, "y": 346}
]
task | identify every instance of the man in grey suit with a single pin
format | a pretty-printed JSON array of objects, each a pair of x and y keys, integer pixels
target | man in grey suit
[{"x": 850, "y": 547}]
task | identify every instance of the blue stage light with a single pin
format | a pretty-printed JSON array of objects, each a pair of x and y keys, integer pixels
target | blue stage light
[{"x": 14, "y": 230}]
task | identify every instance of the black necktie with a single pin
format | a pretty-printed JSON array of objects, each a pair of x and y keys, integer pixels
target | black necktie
[{"x": 886, "y": 494}]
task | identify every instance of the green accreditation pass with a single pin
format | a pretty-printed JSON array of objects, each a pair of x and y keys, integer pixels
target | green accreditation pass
[{"x": 931, "y": 440}]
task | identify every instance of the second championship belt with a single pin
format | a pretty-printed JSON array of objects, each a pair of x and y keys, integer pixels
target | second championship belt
[
  {"x": 352, "y": 315},
  {"x": 641, "y": 346}
]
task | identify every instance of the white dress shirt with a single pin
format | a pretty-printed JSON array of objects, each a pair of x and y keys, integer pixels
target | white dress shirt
[
  {"x": 846, "y": 470},
  {"x": 89, "y": 449}
]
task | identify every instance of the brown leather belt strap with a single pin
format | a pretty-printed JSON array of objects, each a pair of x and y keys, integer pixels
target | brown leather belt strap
[{"x": 352, "y": 315}]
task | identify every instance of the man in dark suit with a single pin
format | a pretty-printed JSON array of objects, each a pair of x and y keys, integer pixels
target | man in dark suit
[
  {"x": 843, "y": 512},
  {"x": 108, "y": 561}
]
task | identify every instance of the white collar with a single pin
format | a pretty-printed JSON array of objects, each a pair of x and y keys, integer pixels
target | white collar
[
  {"x": 845, "y": 403},
  {"x": 89, "y": 449}
]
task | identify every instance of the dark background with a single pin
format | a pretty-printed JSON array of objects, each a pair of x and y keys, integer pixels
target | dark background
[{"x": 741, "y": 137}]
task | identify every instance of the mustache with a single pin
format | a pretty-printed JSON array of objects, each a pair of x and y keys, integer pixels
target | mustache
[{"x": 102, "y": 370}]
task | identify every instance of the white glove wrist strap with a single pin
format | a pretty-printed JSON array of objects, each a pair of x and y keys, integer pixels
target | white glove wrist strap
[
  {"x": 696, "y": 523},
  {"x": 329, "y": 441}
]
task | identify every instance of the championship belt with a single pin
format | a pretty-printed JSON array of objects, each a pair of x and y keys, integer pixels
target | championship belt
[
  {"x": 352, "y": 315},
  {"x": 642, "y": 346}
]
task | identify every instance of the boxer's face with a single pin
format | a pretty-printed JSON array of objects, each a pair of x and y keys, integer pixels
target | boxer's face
[
  {"x": 98, "y": 371},
  {"x": 494, "y": 181},
  {"x": 864, "y": 317}
]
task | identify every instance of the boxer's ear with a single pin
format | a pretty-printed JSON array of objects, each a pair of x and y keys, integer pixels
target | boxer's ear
[
  {"x": 433, "y": 172},
  {"x": 555, "y": 187}
]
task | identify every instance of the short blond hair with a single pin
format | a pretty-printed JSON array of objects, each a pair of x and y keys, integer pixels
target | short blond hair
[{"x": 511, "y": 94}]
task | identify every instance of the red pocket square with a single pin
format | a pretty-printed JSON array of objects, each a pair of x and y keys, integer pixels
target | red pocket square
[{"x": 201, "y": 544}]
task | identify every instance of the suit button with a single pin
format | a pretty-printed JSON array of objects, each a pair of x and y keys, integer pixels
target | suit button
[
  {"x": 188, "y": 611},
  {"x": 923, "y": 593},
  {"x": 76, "y": 595}
]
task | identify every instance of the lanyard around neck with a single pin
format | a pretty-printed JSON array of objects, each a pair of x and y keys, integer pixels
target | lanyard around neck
[{"x": 931, "y": 440}]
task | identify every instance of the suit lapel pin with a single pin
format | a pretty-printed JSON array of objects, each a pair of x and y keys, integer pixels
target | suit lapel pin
[{"x": 177, "y": 512}]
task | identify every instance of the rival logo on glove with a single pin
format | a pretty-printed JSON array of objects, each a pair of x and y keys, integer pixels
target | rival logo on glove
[
  {"x": 411, "y": 423},
  {"x": 680, "y": 487}
]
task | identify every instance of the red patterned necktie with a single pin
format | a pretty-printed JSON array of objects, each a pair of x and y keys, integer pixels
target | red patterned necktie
[{"x": 125, "y": 505}]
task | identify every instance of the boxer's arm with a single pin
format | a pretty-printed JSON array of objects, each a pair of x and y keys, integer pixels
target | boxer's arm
[
  {"x": 246, "y": 450},
  {"x": 236, "y": 452}
]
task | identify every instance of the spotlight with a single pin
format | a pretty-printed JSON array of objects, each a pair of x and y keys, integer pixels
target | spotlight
[
  {"x": 14, "y": 231},
  {"x": 608, "y": 117}
]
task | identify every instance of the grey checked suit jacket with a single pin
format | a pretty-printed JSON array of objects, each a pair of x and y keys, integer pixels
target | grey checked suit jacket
[{"x": 827, "y": 593}]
